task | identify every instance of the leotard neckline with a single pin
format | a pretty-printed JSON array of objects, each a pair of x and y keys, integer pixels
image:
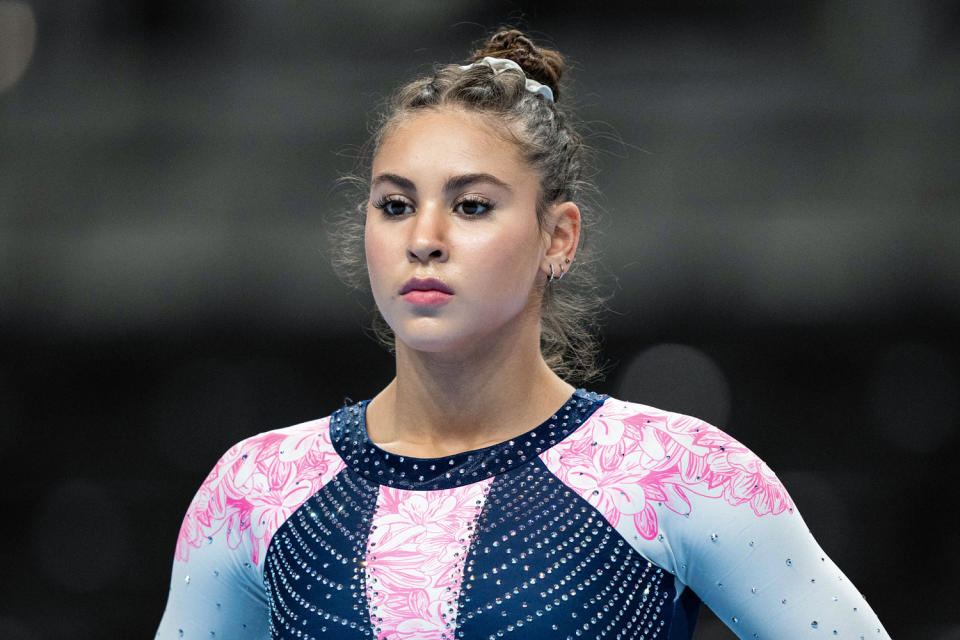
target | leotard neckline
[{"x": 348, "y": 433}]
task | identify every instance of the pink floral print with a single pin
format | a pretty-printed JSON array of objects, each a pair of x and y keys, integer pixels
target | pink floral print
[
  {"x": 626, "y": 458},
  {"x": 415, "y": 556},
  {"x": 257, "y": 485}
]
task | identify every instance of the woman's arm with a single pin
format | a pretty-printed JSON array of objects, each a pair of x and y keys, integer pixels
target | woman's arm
[
  {"x": 699, "y": 504},
  {"x": 216, "y": 593},
  {"x": 218, "y": 588},
  {"x": 764, "y": 574}
]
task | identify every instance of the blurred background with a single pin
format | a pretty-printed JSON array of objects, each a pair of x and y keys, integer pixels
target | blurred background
[{"x": 779, "y": 189}]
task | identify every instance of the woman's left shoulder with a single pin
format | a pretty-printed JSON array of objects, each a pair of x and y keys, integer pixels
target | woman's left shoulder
[
  {"x": 675, "y": 456},
  {"x": 640, "y": 420}
]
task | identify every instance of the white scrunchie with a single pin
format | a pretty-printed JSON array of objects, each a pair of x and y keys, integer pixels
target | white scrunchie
[{"x": 499, "y": 65}]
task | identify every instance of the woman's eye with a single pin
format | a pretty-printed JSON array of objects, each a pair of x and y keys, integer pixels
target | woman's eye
[
  {"x": 394, "y": 207},
  {"x": 472, "y": 207}
]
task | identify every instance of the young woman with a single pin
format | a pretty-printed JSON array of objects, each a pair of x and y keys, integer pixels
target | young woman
[{"x": 479, "y": 494}]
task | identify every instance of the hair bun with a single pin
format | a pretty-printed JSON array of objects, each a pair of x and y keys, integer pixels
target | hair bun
[{"x": 546, "y": 66}]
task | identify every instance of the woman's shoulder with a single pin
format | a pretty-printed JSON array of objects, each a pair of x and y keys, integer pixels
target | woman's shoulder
[
  {"x": 639, "y": 423},
  {"x": 637, "y": 416},
  {"x": 697, "y": 502},
  {"x": 258, "y": 483},
  {"x": 664, "y": 480},
  {"x": 617, "y": 418},
  {"x": 246, "y": 464},
  {"x": 671, "y": 456},
  {"x": 290, "y": 444}
]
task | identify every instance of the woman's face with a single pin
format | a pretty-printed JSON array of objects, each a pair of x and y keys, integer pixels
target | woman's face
[{"x": 452, "y": 242}]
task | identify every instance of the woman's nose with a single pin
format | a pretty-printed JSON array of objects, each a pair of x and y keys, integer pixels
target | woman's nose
[{"x": 428, "y": 236}]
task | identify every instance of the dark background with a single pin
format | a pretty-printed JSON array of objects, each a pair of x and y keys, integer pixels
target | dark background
[{"x": 779, "y": 184}]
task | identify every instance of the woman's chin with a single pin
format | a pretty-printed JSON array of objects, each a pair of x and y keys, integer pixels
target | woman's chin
[
  {"x": 435, "y": 337},
  {"x": 432, "y": 341}
]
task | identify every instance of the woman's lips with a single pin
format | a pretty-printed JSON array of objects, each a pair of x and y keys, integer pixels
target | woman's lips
[
  {"x": 425, "y": 284},
  {"x": 428, "y": 298},
  {"x": 426, "y": 292}
]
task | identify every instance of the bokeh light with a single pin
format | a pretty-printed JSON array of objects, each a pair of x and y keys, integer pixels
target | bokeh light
[
  {"x": 681, "y": 378},
  {"x": 18, "y": 36},
  {"x": 914, "y": 395},
  {"x": 81, "y": 537}
]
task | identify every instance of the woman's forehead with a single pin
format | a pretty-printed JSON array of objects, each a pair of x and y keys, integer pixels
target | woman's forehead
[{"x": 452, "y": 140}]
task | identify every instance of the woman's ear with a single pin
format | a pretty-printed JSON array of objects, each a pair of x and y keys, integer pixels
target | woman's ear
[{"x": 563, "y": 239}]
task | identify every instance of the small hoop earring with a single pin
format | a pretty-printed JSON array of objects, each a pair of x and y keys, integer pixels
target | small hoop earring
[
  {"x": 551, "y": 273},
  {"x": 561, "y": 273}
]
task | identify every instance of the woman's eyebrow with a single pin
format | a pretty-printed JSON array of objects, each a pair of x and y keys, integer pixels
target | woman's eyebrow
[
  {"x": 457, "y": 183},
  {"x": 454, "y": 183},
  {"x": 400, "y": 181}
]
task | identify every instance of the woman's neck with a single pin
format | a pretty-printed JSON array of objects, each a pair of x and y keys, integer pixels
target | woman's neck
[{"x": 445, "y": 403}]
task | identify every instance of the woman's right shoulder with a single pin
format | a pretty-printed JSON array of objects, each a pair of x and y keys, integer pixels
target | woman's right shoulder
[
  {"x": 257, "y": 484},
  {"x": 286, "y": 445}
]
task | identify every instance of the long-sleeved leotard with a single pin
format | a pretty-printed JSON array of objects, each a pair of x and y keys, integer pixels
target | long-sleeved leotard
[{"x": 609, "y": 520}]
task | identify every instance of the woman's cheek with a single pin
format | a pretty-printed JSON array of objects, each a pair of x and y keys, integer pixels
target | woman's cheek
[{"x": 374, "y": 252}]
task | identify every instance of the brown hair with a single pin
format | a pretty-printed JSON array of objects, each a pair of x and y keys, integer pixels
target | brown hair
[{"x": 547, "y": 139}]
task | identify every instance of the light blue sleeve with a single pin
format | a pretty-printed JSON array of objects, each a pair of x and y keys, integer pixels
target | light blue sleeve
[
  {"x": 218, "y": 588},
  {"x": 217, "y": 592},
  {"x": 729, "y": 530},
  {"x": 765, "y": 576},
  {"x": 700, "y": 505}
]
